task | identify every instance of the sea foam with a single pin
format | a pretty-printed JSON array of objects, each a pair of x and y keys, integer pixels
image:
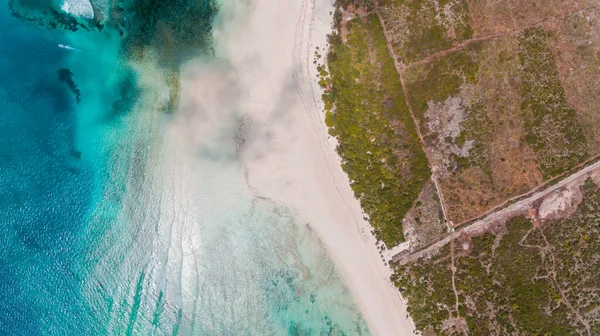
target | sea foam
[{"x": 80, "y": 8}]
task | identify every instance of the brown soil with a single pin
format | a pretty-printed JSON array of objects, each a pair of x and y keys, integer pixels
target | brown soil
[
  {"x": 576, "y": 44},
  {"x": 489, "y": 17}
]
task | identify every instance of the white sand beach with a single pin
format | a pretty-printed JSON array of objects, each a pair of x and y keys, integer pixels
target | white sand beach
[{"x": 286, "y": 151}]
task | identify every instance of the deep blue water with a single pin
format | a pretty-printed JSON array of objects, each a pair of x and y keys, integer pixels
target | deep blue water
[{"x": 45, "y": 187}]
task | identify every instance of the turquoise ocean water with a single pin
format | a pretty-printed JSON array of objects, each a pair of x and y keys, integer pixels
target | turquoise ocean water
[{"x": 97, "y": 236}]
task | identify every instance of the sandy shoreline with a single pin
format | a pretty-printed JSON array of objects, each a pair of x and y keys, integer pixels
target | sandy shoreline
[{"x": 288, "y": 155}]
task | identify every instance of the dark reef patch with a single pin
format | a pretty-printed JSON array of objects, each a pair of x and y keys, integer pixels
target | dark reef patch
[
  {"x": 128, "y": 95},
  {"x": 175, "y": 31},
  {"x": 44, "y": 14},
  {"x": 66, "y": 76}
]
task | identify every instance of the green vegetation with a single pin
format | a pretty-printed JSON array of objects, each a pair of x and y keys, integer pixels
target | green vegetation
[
  {"x": 367, "y": 5},
  {"x": 496, "y": 120},
  {"x": 527, "y": 280},
  {"x": 367, "y": 112},
  {"x": 553, "y": 131},
  {"x": 428, "y": 26},
  {"x": 427, "y": 286}
]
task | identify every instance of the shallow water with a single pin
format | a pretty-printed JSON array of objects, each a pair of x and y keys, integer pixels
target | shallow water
[{"x": 114, "y": 221}]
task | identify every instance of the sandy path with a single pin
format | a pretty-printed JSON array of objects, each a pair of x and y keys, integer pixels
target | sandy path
[{"x": 290, "y": 158}]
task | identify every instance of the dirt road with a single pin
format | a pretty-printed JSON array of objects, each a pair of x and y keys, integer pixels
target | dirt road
[{"x": 521, "y": 207}]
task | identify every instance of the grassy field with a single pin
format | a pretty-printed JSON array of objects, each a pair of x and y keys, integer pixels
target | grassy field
[
  {"x": 576, "y": 43},
  {"x": 495, "y": 117},
  {"x": 553, "y": 130},
  {"x": 367, "y": 112},
  {"x": 419, "y": 28}
]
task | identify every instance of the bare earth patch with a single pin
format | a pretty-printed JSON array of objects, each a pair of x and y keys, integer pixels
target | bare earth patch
[
  {"x": 424, "y": 223},
  {"x": 559, "y": 204}
]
